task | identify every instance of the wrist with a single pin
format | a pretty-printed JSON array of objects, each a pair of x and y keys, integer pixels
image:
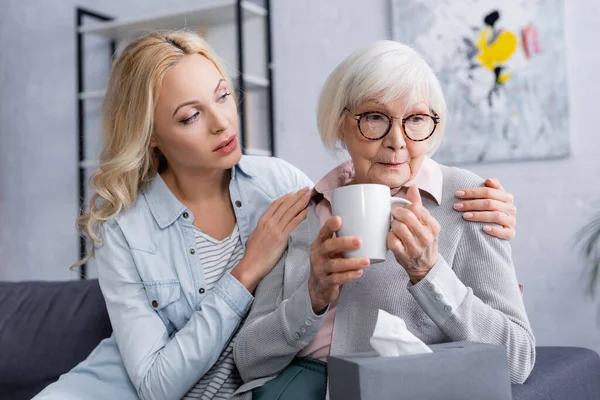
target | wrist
[
  {"x": 419, "y": 273},
  {"x": 318, "y": 304},
  {"x": 246, "y": 275},
  {"x": 414, "y": 279}
]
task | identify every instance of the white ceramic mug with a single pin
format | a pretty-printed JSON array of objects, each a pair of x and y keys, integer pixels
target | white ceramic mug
[{"x": 366, "y": 213}]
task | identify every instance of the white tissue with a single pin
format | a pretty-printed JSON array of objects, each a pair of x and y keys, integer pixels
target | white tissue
[{"x": 391, "y": 338}]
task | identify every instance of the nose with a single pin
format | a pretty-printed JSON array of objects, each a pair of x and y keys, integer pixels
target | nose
[
  {"x": 395, "y": 139},
  {"x": 217, "y": 121}
]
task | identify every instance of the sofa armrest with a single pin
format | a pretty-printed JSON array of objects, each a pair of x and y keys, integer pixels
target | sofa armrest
[
  {"x": 46, "y": 328},
  {"x": 562, "y": 373}
]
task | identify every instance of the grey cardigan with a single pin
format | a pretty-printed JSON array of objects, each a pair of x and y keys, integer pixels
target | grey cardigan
[{"x": 470, "y": 294}]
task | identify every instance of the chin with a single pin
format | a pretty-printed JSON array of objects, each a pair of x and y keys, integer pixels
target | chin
[
  {"x": 230, "y": 160},
  {"x": 235, "y": 157}
]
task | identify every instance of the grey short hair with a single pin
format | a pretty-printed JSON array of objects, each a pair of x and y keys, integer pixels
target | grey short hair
[{"x": 383, "y": 71}]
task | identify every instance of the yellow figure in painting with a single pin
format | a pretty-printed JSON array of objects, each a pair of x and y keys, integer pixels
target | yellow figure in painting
[
  {"x": 491, "y": 50},
  {"x": 495, "y": 49}
]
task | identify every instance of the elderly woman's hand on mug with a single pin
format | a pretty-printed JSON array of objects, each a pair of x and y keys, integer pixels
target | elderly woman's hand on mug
[
  {"x": 328, "y": 267},
  {"x": 414, "y": 237}
]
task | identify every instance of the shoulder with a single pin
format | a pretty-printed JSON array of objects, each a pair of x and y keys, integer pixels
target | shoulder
[
  {"x": 274, "y": 175},
  {"x": 136, "y": 225},
  {"x": 456, "y": 179},
  {"x": 459, "y": 178}
]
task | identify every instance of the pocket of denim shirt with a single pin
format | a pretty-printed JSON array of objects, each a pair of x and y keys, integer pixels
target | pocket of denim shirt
[{"x": 166, "y": 299}]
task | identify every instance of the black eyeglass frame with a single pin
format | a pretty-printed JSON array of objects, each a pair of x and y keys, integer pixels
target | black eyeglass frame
[{"x": 358, "y": 117}]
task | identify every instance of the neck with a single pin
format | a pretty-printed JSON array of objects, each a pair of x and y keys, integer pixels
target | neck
[{"x": 193, "y": 187}]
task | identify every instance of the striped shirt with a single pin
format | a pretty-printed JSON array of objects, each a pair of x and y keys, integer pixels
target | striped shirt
[{"x": 218, "y": 257}]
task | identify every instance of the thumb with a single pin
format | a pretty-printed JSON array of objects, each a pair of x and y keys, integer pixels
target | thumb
[
  {"x": 413, "y": 195},
  {"x": 332, "y": 225}
]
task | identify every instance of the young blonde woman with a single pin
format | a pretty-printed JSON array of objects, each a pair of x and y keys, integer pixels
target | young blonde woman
[{"x": 185, "y": 227}]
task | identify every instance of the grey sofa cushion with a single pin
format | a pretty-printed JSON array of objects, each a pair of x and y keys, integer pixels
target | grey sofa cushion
[
  {"x": 46, "y": 328},
  {"x": 562, "y": 373}
]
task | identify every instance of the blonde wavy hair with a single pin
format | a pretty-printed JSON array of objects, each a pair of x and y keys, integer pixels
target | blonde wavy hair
[{"x": 127, "y": 161}]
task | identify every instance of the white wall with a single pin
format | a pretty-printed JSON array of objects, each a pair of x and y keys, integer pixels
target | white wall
[
  {"x": 38, "y": 136},
  {"x": 554, "y": 197}
]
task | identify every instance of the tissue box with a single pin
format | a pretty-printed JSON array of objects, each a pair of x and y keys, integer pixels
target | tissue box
[{"x": 457, "y": 370}]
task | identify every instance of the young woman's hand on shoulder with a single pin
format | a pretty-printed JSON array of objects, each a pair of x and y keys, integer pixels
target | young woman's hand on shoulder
[{"x": 269, "y": 240}]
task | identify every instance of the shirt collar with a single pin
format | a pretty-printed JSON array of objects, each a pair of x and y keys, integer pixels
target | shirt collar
[
  {"x": 245, "y": 166},
  {"x": 429, "y": 179},
  {"x": 163, "y": 204}
]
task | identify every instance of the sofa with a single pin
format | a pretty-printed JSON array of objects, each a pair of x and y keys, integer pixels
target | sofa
[{"x": 46, "y": 328}]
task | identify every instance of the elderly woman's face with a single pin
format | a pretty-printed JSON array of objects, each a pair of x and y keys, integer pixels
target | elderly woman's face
[{"x": 392, "y": 160}]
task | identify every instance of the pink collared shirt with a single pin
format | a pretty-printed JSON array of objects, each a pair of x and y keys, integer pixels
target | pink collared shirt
[{"x": 429, "y": 179}]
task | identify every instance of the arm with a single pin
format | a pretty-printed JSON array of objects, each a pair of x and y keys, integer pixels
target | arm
[
  {"x": 477, "y": 300},
  {"x": 163, "y": 367},
  {"x": 480, "y": 299},
  {"x": 276, "y": 329}
]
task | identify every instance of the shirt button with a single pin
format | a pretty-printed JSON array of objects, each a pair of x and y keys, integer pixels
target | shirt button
[
  {"x": 186, "y": 214},
  {"x": 192, "y": 251},
  {"x": 297, "y": 335},
  {"x": 448, "y": 308},
  {"x": 429, "y": 286},
  {"x": 303, "y": 330},
  {"x": 154, "y": 303},
  {"x": 201, "y": 290},
  {"x": 238, "y": 203},
  {"x": 308, "y": 322},
  {"x": 438, "y": 296}
]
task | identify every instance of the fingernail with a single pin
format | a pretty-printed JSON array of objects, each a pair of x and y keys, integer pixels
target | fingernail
[
  {"x": 468, "y": 215},
  {"x": 356, "y": 242},
  {"x": 459, "y": 193},
  {"x": 359, "y": 272},
  {"x": 487, "y": 228},
  {"x": 365, "y": 263},
  {"x": 459, "y": 206}
]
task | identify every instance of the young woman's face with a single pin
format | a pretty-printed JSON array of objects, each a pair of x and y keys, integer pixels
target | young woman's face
[{"x": 196, "y": 120}]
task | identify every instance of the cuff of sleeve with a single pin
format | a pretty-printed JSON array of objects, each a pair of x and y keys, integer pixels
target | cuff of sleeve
[
  {"x": 301, "y": 319},
  {"x": 234, "y": 294},
  {"x": 440, "y": 293}
]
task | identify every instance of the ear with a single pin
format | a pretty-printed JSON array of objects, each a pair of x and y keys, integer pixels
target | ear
[
  {"x": 153, "y": 141},
  {"x": 340, "y": 139}
]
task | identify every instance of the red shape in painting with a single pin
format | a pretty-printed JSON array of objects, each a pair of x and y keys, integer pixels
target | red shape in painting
[{"x": 531, "y": 42}]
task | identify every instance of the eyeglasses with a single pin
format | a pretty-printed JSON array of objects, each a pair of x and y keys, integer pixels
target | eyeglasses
[{"x": 376, "y": 125}]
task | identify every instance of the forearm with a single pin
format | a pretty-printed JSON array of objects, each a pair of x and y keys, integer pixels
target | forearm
[
  {"x": 163, "y": 367},
  {"x": 461, "y": 315},
  {"x": 267, "y": 344}
]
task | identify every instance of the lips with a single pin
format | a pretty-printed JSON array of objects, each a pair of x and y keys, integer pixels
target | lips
[
  {"x": 393, "y": 163},
  {"x": 224, "y": 143},
  {"x": 393, "y": 166}
]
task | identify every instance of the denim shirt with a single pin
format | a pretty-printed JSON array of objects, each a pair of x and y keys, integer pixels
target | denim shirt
[{"x": 169, "y": 330}]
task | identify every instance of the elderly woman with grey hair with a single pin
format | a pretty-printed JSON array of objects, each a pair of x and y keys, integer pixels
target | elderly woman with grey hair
[{"x": 443, "y": 275}]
